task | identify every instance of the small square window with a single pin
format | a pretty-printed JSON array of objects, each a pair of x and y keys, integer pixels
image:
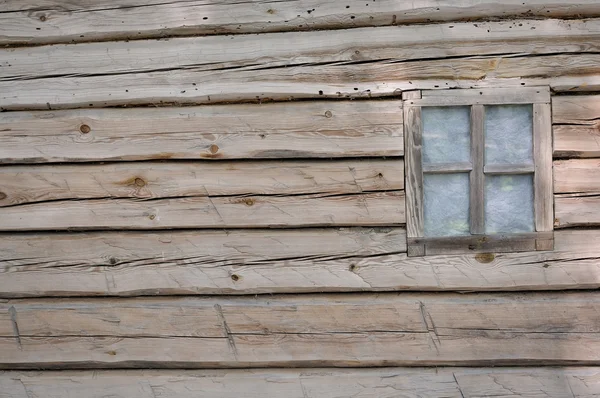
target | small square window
[{"x": 478, "y": 170}]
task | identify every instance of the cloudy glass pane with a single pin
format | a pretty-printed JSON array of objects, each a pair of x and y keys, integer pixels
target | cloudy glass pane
[
  {"x": 446, "y": 134},
  {"x": 446, "y": 204},
  {"x": 509, "y": 203},
  {"x": 509, "y": 134}
]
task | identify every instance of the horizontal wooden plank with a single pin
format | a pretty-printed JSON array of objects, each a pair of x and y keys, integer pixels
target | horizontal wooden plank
[
  {"x": 328, "y": 330},
  {"x": 525, "y": 95},
  {"x": 500, "y": 243},
  {"x": 577, "y": 176},
  {"x": 576, "y": 109},
  {"x": 508, "y": 168},
  {"x": 401, "y": 43},
  {"x": 277, "y": 261},
  {"x": 34, "y": 22},
  {"x": 576, "y": 382},
  {"x": 566, "y": 72},
  {"x": 576, "y": 141},
  {"x": 22, "y": 185},
  {"x": 383, "y": 208},
  {"x": 576, "y": 126},
  {"x": 286, "y": 130},
  {"x": 345, "y": 313},
  {"x": 576, "y": 210}
]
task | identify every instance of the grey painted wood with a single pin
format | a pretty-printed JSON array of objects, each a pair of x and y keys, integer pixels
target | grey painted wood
[{"x": 542, "y": 155}]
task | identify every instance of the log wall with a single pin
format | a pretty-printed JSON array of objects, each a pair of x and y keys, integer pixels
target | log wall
[{"x": 210, "y": 195}]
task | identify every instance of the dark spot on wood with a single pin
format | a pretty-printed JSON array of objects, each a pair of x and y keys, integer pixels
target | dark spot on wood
[
  {"x": 139, "y": 182},
  {"x": 248, "y": 201},
  {"x": 485, "y": 258},
  {"x": 380, "y": 175},
  {"x": 43, "y": 18},
  {"x": 320, "y": 92},
  {"x": 213, "y": 149},
  {"x": 352, "y": 267},
  {"x": 328, "y": 114},
  {"x": 152, "y": 216},
  {"x": 235, "y": 277},
  {"x": 84, "y": 128},
  {"x": 546, "y": 265},
  {"x": 2, "y": 195},
  {"x": 112, "y": 261},
  {"x": 111, "y": 353},
  {"x": 262, "y": 136},
  {"x": 271, "y": 11}
]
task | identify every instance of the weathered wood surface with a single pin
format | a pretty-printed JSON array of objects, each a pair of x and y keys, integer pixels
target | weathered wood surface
[
  {"x": 542, "y": 156},
  {"x": 382, "y": 208},
  {"x": 576, "y": 126},
  {"x": 522, "y": 37},
  {"x": 577, "y": 176},
  {"x": 34, "y": 22},
  {"x": 310, "y": 314},
  {"x": 286, "y": 130},
  {"x": 328, "y": 330},
  {"x": 564, "y": 72},
  {"x": 577, "y": 210},
  {"x": 277, "y": 261},
  {"x": 576, "y": 382},
  {"x": 21, "y": 185}
]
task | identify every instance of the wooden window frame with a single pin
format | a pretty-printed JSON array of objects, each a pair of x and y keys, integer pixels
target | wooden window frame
[{"x": 478, "y": 241}]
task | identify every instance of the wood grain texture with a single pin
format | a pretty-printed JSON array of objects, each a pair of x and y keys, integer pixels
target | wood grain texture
[
  {"x": 542, "y": 156},
  {"x": 357, "y": 330},
  {"x": 490, "y": 96},
  {"x": 384, "y": 208},
  {"x": 576, "y": 126},
  {"x": 277, "y": 261},
  {"x": 564, "y": 72},
  {"x": 401, "y": 43},
  {"x": 287, "y": 130},
  {"x": 577, "y": 176},
  {"x": 23, "y": 185},
  {"x": 500, "y": 243},
  {"x": 576, "y": 210},
  {"x": 51, "y": 21},
  {"x": 476, "y": 177},
  {"x": 413, "y": 130},
  {"x": 546, "y": 382}
]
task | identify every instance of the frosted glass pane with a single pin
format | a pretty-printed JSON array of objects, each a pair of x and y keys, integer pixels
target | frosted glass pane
[
  {"x": 508, "y": 134},
  {"x": 446, "y": 134},
  {"x": 509, "y": 203},
  {"x": 446, "y": 204}
]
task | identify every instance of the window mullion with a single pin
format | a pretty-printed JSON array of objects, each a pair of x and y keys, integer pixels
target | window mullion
[{"x": 476, "y": 177}]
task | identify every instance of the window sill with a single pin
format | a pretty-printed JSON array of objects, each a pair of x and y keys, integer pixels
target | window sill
[{"x": 501, "y": 243}]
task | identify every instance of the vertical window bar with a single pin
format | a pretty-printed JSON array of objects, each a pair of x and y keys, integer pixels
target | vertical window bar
[
  {"x": 476, "y": 175},
  {"x": 542, "y": 156},
  {"x": 414, "y": 173}
]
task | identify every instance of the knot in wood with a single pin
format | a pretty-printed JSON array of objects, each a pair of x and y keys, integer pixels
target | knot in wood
[
  {"x": 485, "y": 258},
  {"x": 328, "y": 114},
  {"x": 43, "y": 18},
  {"x": 84, "y": 128},
  {"x": 152, "y": 216},
  {"x": 235, "y": 277},
  {"x": 112, "y": 261},
  {"x": 2, "y": 195},
  {"x": 213, "y": 149},
  {"x": 249, "y": 201},
  {"x": 139, "y": 182}
]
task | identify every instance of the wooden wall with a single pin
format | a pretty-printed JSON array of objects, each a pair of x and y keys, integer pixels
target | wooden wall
[{"x": 211, "y": 195}]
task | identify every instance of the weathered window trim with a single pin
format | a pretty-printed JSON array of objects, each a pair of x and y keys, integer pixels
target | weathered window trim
[{"x": 478, "y": 241}]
